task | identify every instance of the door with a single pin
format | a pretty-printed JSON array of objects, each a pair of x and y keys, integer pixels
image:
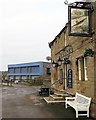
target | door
[{"x": 61, "y": 76}]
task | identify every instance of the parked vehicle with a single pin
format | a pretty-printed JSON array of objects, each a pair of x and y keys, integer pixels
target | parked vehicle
[{"x": 16, "y": 81}]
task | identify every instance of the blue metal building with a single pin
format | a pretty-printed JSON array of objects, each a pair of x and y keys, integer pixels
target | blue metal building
[{"x": 27, "y": 71}]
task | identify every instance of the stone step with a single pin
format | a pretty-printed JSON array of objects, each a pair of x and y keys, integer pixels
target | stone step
[
  {"x": 61, "y": 94},
  {"x": 56, "y": 97},
  {"x": 58, "y": 94},
  {"x": 51, "y": 100}
]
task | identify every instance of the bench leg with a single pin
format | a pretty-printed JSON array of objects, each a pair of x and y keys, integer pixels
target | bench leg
[
  {"x": 76, "y": 114},
  {"x": 87, "y": 113},
  {"x": 65, "y": 105}
]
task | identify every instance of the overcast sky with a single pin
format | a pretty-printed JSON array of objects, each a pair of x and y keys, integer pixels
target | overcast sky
[{"x": 26, "y": 27}]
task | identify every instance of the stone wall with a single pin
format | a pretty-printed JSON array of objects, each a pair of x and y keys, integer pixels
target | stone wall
[{"x": 61, "y": 46}]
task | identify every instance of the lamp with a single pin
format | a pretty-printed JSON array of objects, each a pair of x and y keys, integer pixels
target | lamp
[
  {"x": 54, "y": 64},
  {"x": 59, "y": 61},
  {"x": 66, "y": 61}
]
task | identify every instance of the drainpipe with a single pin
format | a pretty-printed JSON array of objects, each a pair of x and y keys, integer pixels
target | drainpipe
[{"x": 66, "y": 77}]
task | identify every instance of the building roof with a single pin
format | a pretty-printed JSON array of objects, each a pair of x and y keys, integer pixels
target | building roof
[
  {"x": 51, "y": 43},
  {"x": 28, "y": 64}
]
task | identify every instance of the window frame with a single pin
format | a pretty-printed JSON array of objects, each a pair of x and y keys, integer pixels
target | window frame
[
  {"x": 82, "y": 69},
  {"x": 85, "y": 69},
  {"x": 79, "y": 69}
]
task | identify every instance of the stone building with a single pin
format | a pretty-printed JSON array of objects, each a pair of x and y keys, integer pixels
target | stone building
[{"x": 73, "y": 55}]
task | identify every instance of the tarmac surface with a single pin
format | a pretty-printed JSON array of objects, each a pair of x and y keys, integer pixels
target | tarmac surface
[{"x": 23, "y": 101}]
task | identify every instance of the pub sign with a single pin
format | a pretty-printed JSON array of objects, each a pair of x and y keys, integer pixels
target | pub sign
[
  {"x": 69, "y": 78},
  {"x": 79, "y": 17}
]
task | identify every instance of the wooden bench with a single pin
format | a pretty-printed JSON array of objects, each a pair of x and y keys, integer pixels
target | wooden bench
[{"x": 80, "y": 103}]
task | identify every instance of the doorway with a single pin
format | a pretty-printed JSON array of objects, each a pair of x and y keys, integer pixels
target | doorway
[{"x": 61, "y": 76}]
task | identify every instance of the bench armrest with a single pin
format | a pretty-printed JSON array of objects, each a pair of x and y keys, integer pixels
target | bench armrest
[{"x": 70, "y": 98}]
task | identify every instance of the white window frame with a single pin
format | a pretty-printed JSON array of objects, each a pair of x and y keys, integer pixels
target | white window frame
[
  {"x": 85, "y": 69},
  {"x": 79, "y": 68}
]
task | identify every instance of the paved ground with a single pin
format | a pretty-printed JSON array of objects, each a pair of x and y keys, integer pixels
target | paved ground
[{"x": 22, "y": 101}]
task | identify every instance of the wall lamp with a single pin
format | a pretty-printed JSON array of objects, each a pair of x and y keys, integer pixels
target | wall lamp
[
  {"x": 54, "y": 64},
  {"x": 67, "y": 61},
  {"x": 58, "y": 63}
]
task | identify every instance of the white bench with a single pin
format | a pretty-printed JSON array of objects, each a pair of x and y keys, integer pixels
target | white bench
[{"x": 79, "y": 103}]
